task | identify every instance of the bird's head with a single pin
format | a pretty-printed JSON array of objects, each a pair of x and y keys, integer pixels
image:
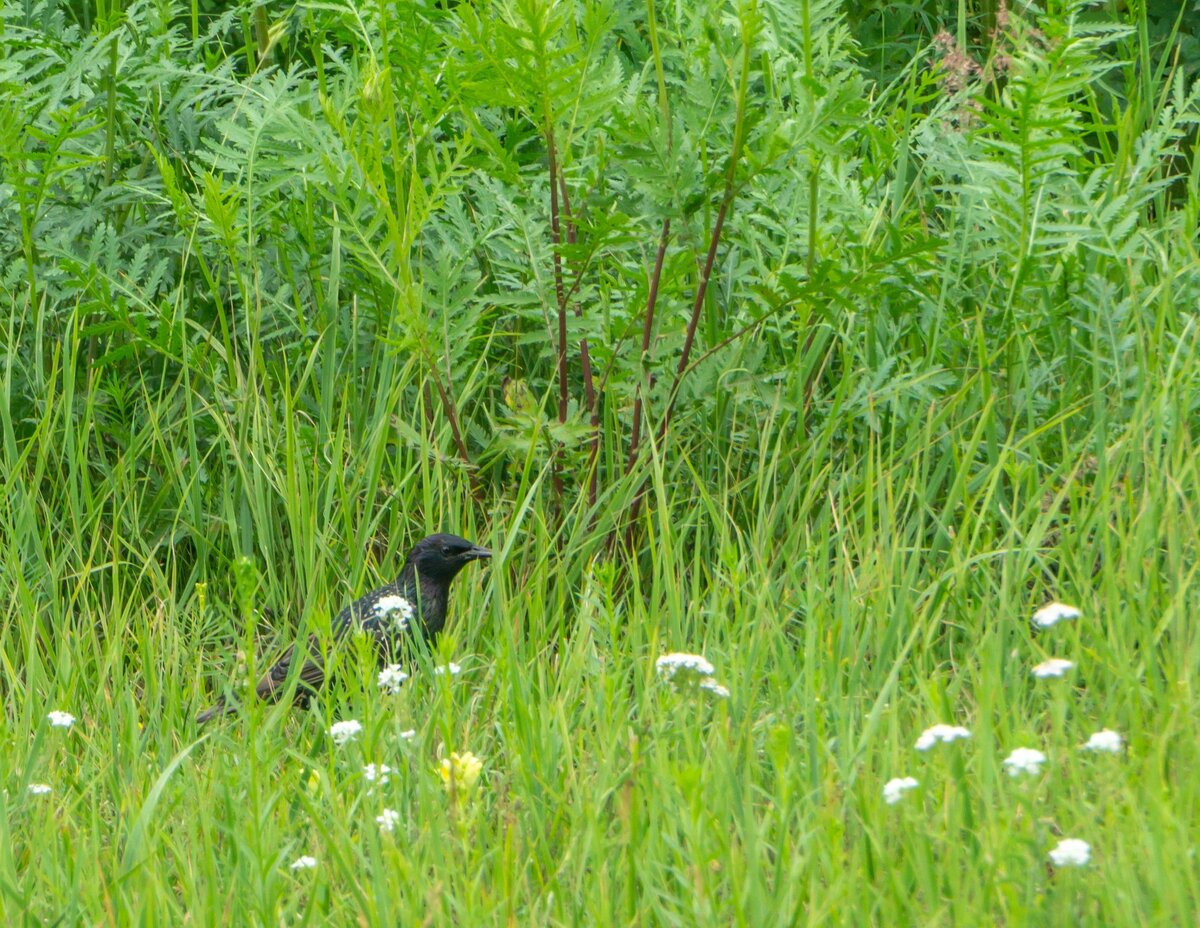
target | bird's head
[{"x": 440, "y": 557}]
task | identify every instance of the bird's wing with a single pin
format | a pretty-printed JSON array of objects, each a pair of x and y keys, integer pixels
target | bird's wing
[{"x": 311, "y": 677}]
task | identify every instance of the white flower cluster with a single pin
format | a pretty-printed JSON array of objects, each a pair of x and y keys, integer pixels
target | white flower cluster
[
  {"x": 341, "y": 732},
  {"x": 60, "y": 719},
  {"x": 689, "y": 672},
  {"x": 388, "y": 820},
  {"x": 1054, "y": 667},
  {"x": 894, "y": 789},
  {"x": 1071, "y": 852},
  {"x": 1024, "y": 760},
  {"x": 1053, "y": 613},
  {"x": 452, "y": 669},
  {"x": 376, "y": 773},
  {"x": 395, "y": 610},
  {"x": 1108, "y": 742},
  {"x": 941, "y": 733},
  {"x": 391, "y": 678},
  {"x": 304, "y": 863}
]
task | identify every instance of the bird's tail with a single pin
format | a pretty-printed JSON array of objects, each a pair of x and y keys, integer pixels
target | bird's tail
[{"x": 221, "y": 708}]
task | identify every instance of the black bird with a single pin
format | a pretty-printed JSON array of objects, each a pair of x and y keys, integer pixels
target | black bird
[{"x": 417, "y": 598}]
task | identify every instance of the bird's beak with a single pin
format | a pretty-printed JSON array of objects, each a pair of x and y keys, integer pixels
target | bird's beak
[{"x": 479, "y": 554}]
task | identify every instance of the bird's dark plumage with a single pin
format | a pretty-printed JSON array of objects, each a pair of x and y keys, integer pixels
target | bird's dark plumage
[{"x": 417, "y": 598}]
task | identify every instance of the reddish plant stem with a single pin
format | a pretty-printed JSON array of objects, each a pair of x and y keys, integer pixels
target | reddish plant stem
[
  {"x": 682, "y": 368},
  {"x": 556, "y": 239},
  {"x": 647, "y": 334},
  {"x": 585, "y": 357},
  {"x": 452, "y": 415},
  {"x": 697, "y": 305}
]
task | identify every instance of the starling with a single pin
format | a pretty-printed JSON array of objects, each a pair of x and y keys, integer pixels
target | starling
[{"x": 417, "y": 597}]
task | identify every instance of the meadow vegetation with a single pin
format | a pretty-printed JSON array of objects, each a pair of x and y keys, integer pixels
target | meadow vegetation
[{"x": 826, "y": 341}]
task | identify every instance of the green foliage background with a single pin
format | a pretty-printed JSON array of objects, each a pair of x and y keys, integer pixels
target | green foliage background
[{"x": 282, "y": 294}]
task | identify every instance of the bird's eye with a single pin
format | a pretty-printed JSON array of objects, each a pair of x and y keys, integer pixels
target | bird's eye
[{"x": 454, "y": 550}]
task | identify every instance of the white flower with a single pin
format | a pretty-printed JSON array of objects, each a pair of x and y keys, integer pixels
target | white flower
[
  {"x": 687, "y": 672},
  {"x": 452, "y": 669},
  {"x": 39, "y": 789},
  {"x": 304, "y": 863},
  {"x": 1104, "y": 740},
  {"x": 894, "y": 789},
  {"x": 712, "y": 686},
  {"x": 1055, "y": 667},
  {"x": 391, "y": 678},
  {"x": 341, "y": 732},
  {"x": 388, "y": 820},
  {"x": 680, "y": 665},
  {"x": 931, "y": 736},
  {"x": 61, "y": 719},
  {"x": 1024, "y": 760},
  {"x": 1071, "y": 852},
  {"x": 408, "y": 734},
  {"x": 1053, "y": 613},
  {"x": 397, "y": 609},
  {"x": 376, "y": 773}
]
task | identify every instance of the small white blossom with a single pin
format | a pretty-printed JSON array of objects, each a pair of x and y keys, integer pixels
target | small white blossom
[
  {"x": 451, "y": 668},
  {"x": 1104, "y": 740},
  {"x": 947, "y": 733},
  {"x": 376, "y": 773},
  {"x": 678, "y": 664},
  {"x": 396, "y": 609},
  {"x": 687, "y": 672},
  {"x": 1055, "y": 667},
  {"x": 408, "y": 734},
  {"x": 391, "y": 678},
  {"x": 1071, "y": 852},
  {"x": 1024, "y": 760},
  {"x": 1053, "y": 613},
  {"x": 61, "y": 719},
  {"x": 894, "y": 789},
  {"x": 388, "y": 820},
  {"x": 712, "y": 686},
  {"x": 39, "y": 789},
  {"x": 341, "y": 732},
  {"x": 304, "y": 863}
]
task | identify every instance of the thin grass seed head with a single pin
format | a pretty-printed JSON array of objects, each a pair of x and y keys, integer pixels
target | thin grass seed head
[
  {"x": 341, "y": 732},
  {"x": 941, "y": 733},
  {"x": 1024, "y": 760},
  {"x": 895, "y": 789},
  {"x": 1071, "y": 852},
  {"x": 1053, "y": 613},
  {"x": 1054, "y": 667},
  {"x": 1104, "y": 741}
]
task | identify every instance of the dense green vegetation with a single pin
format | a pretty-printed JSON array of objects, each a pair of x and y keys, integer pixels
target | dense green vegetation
[{"x": 828, "y": 343}]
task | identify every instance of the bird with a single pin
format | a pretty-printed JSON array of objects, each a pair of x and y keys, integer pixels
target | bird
[{"x": 415, "y": 601}]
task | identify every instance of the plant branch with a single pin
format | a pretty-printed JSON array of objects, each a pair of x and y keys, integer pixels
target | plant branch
[{"x": 647, "y": 334}]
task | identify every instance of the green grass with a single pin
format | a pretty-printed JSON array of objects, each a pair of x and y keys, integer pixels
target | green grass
[{"x": 280, "y": 299}]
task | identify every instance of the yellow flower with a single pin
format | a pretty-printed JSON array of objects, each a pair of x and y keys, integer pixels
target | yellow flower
[
  {"x": 314, "y": 781},
  {"x": 460, "y": 772}
]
